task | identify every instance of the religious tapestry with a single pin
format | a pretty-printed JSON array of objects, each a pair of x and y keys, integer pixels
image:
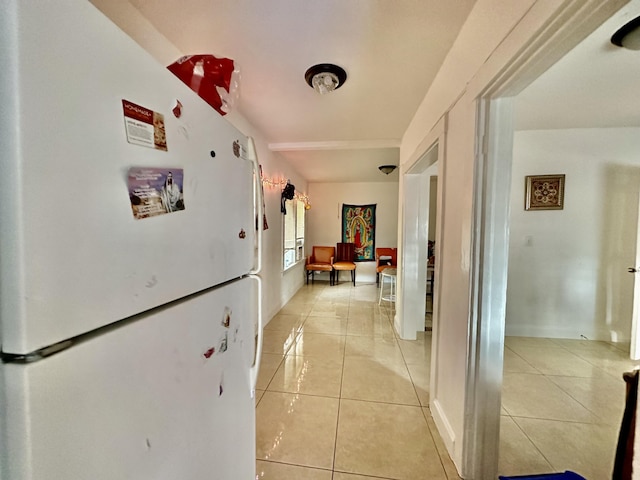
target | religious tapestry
[{"x": 359, "y": 227}]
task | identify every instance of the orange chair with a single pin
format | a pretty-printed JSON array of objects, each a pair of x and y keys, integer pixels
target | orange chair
[
  {"x": 345, "y": 254},
  {"x": 385, "y": 258},
  {"x": 320, "y": 260}
]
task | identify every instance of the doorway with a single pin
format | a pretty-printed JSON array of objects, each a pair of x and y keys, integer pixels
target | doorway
[
  {"x": 491, "y": 238},
  {"x": 569, "y": 296},
  {"x": 420, "y": 205}
]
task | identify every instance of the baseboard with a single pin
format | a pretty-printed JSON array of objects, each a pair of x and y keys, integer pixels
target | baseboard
[
  {"x": 445, "y": 430},
  {"x": 550, "y": 331},
  {"x": 397, "y": 326}
]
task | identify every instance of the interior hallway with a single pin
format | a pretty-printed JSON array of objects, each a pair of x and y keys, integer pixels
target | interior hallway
[{"x": 340, "y": 397}]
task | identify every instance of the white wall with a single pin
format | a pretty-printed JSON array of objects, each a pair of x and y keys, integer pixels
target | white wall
[
  {"x": 278, "y": 286},
  {"x": 478, "y": 38},
  {"x": 493, "y": 36},
  {"x": 568, "y": 268},
  {"x": 324, "y": 220}
]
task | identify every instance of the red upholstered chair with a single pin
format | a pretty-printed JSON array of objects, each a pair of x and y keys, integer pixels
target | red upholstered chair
[
  {"x": 345, "y": 255},
  {"x": 320, "y": 260},
  {"x": 385, "y": 258}
]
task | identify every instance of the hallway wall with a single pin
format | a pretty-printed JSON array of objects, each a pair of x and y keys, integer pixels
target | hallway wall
[
  {"x": 324, "y": 220},
  {"x": 494, "y": 37},
  {"x": 568, "y": 268}
]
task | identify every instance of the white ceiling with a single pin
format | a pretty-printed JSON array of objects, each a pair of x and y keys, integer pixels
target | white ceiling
[
  {"x": 596, "y": 85},
  {"x": 391, "y": 51}
]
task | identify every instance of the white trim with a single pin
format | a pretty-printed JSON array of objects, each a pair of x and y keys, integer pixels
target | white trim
[
  {"x": 441, "y": 127},
  {"x": 488, "y": 296},
  {"x": 572, "y": 22},
  {"x": 549, "y": 331},
  {"x": 414, "y": 259},
  {"x": 634, "y": 350},
  {"x": 437, "y": 135},
  {"x": 294, "y": 264},
  {"x": 333, "y": 145},
  {"x": 444, "y": 427},
  {"x": 405, "y": 326}
]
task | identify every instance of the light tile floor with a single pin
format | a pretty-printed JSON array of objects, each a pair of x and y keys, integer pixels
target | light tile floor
[
  {"x": 562, "y": 404},
  {"x": 340, "y": 397}
]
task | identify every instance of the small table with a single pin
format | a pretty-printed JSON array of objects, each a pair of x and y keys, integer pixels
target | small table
[{"x": 390, "y": 275}]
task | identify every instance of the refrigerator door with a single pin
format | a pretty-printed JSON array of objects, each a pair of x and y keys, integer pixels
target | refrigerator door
[
  {"x": 73, "y": 256},
  {"x": 165, "y": 396}
]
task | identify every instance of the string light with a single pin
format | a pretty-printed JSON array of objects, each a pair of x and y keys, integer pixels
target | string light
[{"x": 280, "y": 183}]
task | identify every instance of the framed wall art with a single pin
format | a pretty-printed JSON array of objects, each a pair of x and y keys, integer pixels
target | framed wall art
[
  {"x": 359, "y": 227},
  {"x": 544, "y": 192}
]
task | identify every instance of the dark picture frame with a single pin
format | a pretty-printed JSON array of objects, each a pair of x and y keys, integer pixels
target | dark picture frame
[{"x": 544, "y": 192}]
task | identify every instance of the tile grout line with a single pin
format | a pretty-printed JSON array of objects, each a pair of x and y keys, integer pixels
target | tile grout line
[
  {"x": 344, "y": 351},
  {"x": 435, "y": 442},
  {"x": 372, "y": 316},
  {"x": 284, "y": 356},
  {"x": 531, "y": 440}
]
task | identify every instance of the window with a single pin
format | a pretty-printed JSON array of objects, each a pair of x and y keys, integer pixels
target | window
[{"x": 293, "y": 232}]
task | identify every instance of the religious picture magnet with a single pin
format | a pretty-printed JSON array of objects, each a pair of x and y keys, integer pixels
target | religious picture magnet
[{"x": 155, "y": 191}]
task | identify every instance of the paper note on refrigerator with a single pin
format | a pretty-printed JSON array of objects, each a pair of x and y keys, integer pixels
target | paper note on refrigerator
[{"x": 144, "y": 127}]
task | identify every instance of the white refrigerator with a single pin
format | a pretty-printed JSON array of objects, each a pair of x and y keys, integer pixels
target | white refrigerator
[{"x": 130, "y": 303}]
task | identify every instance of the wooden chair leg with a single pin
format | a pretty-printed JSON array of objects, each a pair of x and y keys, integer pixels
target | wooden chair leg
[
  {"x": 622, "y": 466},
  {"x": 353, "y": 276}
]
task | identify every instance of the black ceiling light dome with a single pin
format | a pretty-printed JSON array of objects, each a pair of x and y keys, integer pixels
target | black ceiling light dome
[
  {"x": 325, "y": 77},
  {"x": 387, "y": 169},
  {"x": 628, "y": 36}
]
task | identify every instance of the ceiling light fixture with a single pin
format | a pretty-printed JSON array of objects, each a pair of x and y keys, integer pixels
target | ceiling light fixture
[
  {"x": 387, "y": 169},
  {"x": 325, "y": 77},
  {"x": 628, "y": 36}
]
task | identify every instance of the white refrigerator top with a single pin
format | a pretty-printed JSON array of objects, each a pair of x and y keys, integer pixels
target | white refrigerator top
[{"x": 73, "y": 258}]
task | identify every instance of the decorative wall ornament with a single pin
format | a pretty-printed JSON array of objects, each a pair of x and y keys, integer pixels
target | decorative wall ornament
[
  {"x": 280, "y": 183},
  {"x": 288, "y": 192},
  {"x": 359, "y": 227},
  {"x": 265, "y": 225},
  {"x": 544, "y": 192}
]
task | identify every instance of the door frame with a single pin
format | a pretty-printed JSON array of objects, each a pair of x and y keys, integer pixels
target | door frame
[
  {"x": 634, "y": 349},
  {"x": 417, "y": 185},
  {"x": 405, "y": 320},
  {"x": 573, "y": 21}
]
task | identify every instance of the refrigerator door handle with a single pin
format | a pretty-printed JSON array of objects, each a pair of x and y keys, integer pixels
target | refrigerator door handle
[
  {"x": 259, "y": 203},
  {"x": 255, "y": 368}
]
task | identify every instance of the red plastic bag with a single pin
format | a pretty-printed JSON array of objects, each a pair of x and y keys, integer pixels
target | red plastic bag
[{"x": 215, "y": 80}]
